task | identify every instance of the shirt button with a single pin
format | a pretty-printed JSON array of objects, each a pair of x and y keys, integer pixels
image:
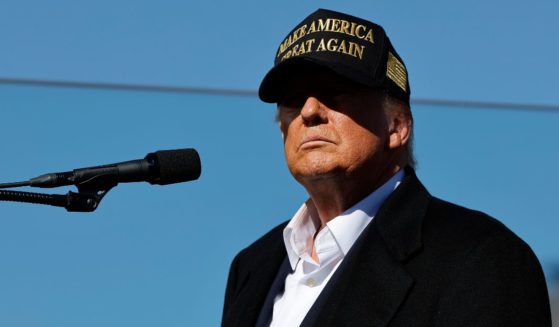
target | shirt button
[{"x": 311, "y": 282}]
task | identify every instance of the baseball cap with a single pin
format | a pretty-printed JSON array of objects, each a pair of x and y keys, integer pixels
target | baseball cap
[{"x": 354, "y": 48}]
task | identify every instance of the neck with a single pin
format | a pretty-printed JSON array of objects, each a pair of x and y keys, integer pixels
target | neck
[{"x": 335, "y": 194}]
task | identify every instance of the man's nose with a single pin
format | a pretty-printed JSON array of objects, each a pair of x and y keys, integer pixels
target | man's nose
[{"x": 314, "y": 112}]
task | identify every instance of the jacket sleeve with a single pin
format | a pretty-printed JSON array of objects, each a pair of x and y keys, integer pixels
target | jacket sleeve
[{"x": 500, "y": 283}]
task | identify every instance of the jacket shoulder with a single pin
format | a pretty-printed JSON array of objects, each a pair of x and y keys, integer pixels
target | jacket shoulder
[
  {"x": 273, "y": 239},
  {"x": 269, "y": 249},
  {"x": 460, "y": 223},
  {"x": 262, "y": 258},
  {"x": 485, "y": 267}
]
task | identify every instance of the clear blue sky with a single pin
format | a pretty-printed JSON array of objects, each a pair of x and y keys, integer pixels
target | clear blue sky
[{"x": 154, "y": 255}]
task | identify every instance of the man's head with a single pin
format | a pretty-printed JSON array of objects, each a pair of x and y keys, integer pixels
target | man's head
[{"x": 343, "y": 100}]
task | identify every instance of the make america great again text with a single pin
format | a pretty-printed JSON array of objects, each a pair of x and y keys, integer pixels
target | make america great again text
[{"x": 332, "y": 44}]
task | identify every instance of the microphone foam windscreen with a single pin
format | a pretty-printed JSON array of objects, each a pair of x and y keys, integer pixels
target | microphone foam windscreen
[{"x": 176, "y": 166}]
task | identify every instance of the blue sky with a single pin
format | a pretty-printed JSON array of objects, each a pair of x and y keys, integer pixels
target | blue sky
[
  {"x": 487, "y": 50},
  {"x": 154, "y": 255}
]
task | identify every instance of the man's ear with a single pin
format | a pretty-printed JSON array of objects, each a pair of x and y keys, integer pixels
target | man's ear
[{"x": 400, "y": 126}]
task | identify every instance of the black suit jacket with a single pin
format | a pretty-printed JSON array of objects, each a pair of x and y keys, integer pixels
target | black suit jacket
[{"x": 420, "y": 262}]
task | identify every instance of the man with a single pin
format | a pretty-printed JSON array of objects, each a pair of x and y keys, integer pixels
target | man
[{"x": 371, "y": 247}]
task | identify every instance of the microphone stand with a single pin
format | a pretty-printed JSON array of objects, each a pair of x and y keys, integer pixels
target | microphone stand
[{"x": 90, "y": 193}]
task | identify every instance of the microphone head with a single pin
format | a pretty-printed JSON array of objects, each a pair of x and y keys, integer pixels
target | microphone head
[{"x": 175, "y": 166}]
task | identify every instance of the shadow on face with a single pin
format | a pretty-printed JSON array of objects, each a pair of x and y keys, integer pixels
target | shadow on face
[{"x": 363, "y": 104}]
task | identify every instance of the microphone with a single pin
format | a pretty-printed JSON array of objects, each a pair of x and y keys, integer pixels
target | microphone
[{"x": 161, "y": 167}]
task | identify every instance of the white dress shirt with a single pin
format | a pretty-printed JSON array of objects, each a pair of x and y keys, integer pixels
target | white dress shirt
[{"x": 332, "y": 243}]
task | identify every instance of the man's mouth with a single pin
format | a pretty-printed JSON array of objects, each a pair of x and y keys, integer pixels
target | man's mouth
[{"x": 314, "y": 140}]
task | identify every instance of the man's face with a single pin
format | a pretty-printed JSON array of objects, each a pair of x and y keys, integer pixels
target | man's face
[{"x": 332, "y": 127}]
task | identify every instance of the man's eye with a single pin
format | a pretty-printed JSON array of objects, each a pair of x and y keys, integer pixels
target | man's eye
[
  {"x": 293, "y": 101},
  {"x": 289, "y": 111}
]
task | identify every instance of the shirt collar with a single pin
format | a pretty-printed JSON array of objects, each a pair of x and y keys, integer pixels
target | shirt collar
[{"x": 345, "y": 228}]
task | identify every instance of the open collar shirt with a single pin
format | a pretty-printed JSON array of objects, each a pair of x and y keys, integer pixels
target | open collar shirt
[{"x": 308, "y": 277}]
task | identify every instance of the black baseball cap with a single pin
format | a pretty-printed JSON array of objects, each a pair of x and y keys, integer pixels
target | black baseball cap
[{"x": 354, "y": 48}]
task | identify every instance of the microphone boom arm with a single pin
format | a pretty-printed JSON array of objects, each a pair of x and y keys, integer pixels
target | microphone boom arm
[
  {"x": 73, "y": 202},
  {"x": 90, "y": 193}
]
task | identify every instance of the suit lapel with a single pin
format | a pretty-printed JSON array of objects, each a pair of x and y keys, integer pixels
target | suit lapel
[{"x": 371, "y": 283}]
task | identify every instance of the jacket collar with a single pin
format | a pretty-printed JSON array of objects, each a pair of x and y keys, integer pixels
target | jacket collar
[{"x": 400, "y": 218}]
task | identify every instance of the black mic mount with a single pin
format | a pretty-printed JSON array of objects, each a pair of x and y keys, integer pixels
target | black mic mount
[{"x": 93, "y": 183}]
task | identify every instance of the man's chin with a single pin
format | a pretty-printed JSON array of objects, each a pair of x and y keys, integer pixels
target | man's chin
[{"x": 318, "y": 174}]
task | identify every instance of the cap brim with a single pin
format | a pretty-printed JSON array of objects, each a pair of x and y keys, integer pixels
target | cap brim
[{"x": 273, "y": 86}]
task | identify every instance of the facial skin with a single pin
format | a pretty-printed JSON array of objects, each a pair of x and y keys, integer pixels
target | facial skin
[{"x": 340, "y": 142}]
